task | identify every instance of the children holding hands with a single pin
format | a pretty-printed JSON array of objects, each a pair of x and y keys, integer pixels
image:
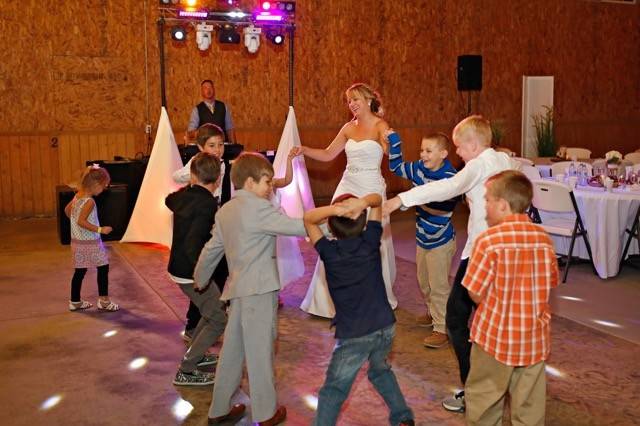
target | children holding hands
[
  {"x": 194, "y": 207},
  {"x": 245, "y": 231},
  {"x": 364, "y": 320},
  {"x": 435, "y": 236}
]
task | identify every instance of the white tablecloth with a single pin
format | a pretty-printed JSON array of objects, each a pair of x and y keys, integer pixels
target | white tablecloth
[{"x": 605, "y": 215}]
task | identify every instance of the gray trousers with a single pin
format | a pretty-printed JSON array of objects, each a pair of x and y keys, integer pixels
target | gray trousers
[
  {"x": 250, "y": 334},
  {"x": 210, "y": 326}
]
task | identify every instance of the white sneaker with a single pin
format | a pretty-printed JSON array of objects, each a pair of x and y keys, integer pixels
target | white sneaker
[{"x": 455, "y": 404}]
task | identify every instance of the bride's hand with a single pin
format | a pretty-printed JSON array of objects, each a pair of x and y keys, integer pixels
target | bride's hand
[{"x": 296, "y": 150}]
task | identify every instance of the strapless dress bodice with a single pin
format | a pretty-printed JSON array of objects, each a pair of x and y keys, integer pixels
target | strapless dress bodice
[{"x": 363, "y": 156}]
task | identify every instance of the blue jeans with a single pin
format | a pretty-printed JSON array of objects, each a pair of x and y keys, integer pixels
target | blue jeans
[{"x": 348, "y": 356}]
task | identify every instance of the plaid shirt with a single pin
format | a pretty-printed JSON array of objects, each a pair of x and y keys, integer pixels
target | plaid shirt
[{"x": 513, "y": 268}]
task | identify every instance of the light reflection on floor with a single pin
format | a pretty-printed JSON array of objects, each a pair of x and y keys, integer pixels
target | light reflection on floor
[
  {"x": 575, "y": 299},
  {"x": 110, "y": 333},
  {"x": 553, "y": 371},
  {"x": 181, "y": 409},
  {"x": 138, "y": 363},
  {"x": 607, "y": 323},
  {"x": 51, "y": 402},
  {"x": 311, "y": 401}
]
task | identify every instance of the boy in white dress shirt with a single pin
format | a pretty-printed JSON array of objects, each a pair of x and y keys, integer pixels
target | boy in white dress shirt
[{"x": 472, "y": 138}]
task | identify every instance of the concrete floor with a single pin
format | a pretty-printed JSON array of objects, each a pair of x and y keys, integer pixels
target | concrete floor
[{"x": 93, "y": 368}]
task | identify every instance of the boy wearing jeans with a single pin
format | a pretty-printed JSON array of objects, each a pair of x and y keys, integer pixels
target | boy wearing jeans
[
  {"x": 364, "y": 319},
  {"x": 511, "y": 272}
]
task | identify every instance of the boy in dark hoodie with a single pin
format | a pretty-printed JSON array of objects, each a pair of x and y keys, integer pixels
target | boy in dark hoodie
[{"x": 194, "y": 208}]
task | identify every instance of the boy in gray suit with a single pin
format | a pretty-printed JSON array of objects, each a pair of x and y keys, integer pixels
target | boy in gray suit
[{"x": 245, "y": 230}]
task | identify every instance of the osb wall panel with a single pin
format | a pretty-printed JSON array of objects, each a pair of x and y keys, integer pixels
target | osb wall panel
[
  {"x": 32, "y": 166},
  {"x": 80, "y": 67},
  {"x": 72, "y": 66},
  {"x": 28, "y": 174}
]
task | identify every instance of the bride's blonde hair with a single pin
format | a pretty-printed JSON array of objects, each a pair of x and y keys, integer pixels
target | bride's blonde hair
[{"x": 371, "y": 96}]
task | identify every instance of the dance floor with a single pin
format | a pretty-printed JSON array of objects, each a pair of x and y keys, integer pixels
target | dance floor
[{"x": 94, "y": 368}]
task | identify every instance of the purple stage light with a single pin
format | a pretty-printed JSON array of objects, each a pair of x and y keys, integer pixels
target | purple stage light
[
  {"x": 266, "y": 16},
  {"x": 266, "y": 5}
]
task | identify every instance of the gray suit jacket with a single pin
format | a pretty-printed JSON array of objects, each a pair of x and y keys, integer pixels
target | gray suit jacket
[{"x": 245, "y": 231}]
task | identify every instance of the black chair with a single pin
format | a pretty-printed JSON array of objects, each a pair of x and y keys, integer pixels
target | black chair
[{"x": 634, "y": 232}]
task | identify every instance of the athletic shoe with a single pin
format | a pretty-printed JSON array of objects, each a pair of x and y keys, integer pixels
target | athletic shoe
[
  {"x": 208, "y": 359},
  {"x": 195, "y": 378},
  {"x": 455, "y": 404}
]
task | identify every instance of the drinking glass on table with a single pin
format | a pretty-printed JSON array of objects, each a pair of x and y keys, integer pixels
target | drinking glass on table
[{"x": 622, "y": 179}]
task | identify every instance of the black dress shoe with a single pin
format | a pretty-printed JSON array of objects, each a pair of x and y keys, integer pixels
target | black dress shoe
[
  {"x": 235, "y": 413},
  {"x": 278, "y": 417}
]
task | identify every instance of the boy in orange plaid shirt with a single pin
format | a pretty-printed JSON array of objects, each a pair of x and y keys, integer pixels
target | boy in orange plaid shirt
[{"x": 510, "y": 275}]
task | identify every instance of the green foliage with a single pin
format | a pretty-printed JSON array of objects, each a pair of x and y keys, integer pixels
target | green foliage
[
  {"x": 545, "y": 140},
  {"x": 498, "y": 131}
]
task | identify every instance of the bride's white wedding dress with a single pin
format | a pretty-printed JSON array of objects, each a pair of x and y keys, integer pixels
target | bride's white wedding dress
[{"x": 362, "y": 176}]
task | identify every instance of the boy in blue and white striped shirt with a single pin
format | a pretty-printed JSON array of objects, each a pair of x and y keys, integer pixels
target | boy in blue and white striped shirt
[{"x": 435, "y": 236}]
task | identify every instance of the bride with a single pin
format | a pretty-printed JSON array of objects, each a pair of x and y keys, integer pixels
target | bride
[{"x": 363, "y": 141}]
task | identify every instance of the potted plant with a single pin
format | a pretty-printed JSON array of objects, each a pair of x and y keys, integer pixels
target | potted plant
[
  {"x": 545, "y": 141},
  {"x": 498, "y": 131}
]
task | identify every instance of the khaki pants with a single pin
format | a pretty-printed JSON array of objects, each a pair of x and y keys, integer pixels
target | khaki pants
[
  {"x": 489, "y": 381},
  {"x": 433, "y": 277}
]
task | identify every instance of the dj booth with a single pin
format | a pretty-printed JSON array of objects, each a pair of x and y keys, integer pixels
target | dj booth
[{"x": 115, "y": 204}]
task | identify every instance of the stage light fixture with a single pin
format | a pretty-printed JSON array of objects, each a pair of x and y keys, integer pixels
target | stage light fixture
[
  {"x": 266, "y": 5},
  {"x": 252, "y": 38},
  {"x": 178, "y": 33},
  {"x": 275, "y": 37},
  {"x": 286, "y": 6},
  {"x": 228, "y": 34},
  {"x": 268, "y": 17},
  {"x": 203, "y": 36},
  {"x": 190, "y": 3}
]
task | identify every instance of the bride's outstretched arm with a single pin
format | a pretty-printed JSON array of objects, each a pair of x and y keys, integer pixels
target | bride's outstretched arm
[{"x": 330, "y": 152}]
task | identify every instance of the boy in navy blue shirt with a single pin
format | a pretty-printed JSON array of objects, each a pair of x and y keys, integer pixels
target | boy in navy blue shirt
[
  {"x": 435, "y": 237},
  {"x": 364, "y": 320}
]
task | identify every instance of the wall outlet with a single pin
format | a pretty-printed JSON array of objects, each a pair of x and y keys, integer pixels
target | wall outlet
[{"x": 147, "y": 129}]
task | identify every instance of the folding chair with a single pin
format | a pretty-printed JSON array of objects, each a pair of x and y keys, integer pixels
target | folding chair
[
  {"x": 579, "y": 153},
  {"x": 558, "y": 198},
  {"x": 530, "y": 172},
  {"x": 634, "y": 157},
  {"x": 634, "y": 232},
  {"x": 523, "y": 160}
]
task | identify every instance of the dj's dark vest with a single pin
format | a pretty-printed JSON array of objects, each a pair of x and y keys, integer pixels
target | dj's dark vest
[{"x": 216, "y": 117}]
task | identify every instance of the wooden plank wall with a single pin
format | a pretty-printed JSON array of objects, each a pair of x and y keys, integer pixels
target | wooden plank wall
[
  {"x": 100, "y": 76},
  {"x": 29, "y": 171},
  {"x": 32, "y": 166}
]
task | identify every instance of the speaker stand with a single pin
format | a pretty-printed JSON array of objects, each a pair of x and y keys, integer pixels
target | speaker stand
[{"x": 468, "y": 103}]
